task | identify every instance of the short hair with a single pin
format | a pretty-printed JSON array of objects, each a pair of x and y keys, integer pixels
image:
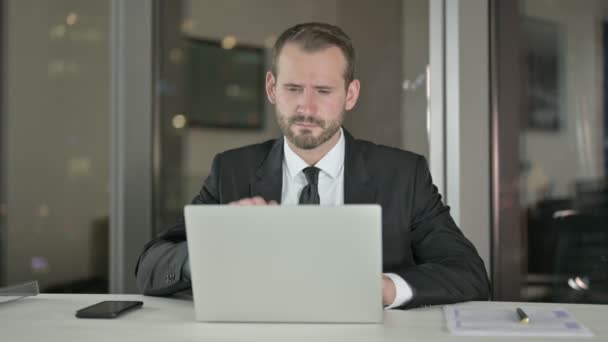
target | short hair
[{"x": 313, "y": 37}]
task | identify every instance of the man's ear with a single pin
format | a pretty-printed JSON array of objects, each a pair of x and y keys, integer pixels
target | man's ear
[
  {"x": 271, "y": 83},
  {"x": 352, "y": 94}
]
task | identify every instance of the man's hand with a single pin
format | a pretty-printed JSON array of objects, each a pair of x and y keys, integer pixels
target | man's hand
[
  {"x": 257, "y": 200},
  {"x": 388, "y": 290}
]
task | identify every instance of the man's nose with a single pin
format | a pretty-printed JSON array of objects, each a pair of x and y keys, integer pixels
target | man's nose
[{"x": 307, "y": 103}]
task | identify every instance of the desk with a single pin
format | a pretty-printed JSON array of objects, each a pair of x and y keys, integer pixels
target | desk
[{"x": 50, "y": 317}]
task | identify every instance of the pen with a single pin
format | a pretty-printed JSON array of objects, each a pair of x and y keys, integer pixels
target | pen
[{"x": 523, "y": 318}]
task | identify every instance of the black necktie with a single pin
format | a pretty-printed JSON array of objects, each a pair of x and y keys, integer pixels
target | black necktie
[{"x": 310, "y": 193}]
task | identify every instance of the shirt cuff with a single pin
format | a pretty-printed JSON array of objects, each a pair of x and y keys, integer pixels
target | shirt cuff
[
  {"x": 403, "y": 292},
  {"x": 186, "y": 270}
]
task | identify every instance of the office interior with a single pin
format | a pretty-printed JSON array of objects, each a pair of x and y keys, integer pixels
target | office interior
[{"x": 111, "y": 113}]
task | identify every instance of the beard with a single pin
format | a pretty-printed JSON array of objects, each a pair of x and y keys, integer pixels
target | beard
[{"x": 304, "y": 138}]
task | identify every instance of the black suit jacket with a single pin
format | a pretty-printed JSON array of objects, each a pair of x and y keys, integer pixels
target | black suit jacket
[{"x": 421, "y": 242}]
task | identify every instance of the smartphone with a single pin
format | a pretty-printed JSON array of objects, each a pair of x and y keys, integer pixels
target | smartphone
[{"x": 108, "y": 309}]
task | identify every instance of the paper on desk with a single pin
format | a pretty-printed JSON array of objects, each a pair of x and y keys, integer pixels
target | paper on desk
[
  {"x": 472, "y": 319},
  {"x": 10, "y": 293}
]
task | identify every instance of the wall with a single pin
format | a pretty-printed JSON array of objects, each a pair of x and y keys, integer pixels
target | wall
[{"x": 376, "y": 32}]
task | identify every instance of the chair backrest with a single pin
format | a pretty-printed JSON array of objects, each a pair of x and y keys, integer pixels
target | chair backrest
[
  {"x": 542, "y": 236},
  {"x": 582, "y": 251},
  {"x": 591, "y": 197}
]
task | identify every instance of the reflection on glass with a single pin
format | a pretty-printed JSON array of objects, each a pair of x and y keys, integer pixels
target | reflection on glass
[
  {"x": 231, "y": 109},
  {"x": 564, "y": 193},
  {"x": 71, "y": 19},
  {"x": 55, "y": 145}
]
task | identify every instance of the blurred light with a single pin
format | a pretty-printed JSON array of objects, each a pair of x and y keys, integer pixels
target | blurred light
[
  {"x": 228, "y": 42},
  {"x": 176, "y": 55},
  {"x": 78, "y": 167},
  {"x": 44, "y": 211},
  {"x": 572, "y": 284},
  {"x": 233, "y": 90},
  {"x": 582, "y": 283},
  {"x": 579, "y": 283},
  {"x": 188, "y": 25},
  {"x": 179, "y": 121},
  {"x": 39, "y": 264},
  {"x": 71, "y": 19},
  {"x": 564, "y": 213},
  {"x": 57, "y": 32},
  {"x": 419, "y": 82}
]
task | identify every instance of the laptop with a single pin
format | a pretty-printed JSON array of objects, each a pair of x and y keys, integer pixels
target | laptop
[{"x": 305, "y": 264}]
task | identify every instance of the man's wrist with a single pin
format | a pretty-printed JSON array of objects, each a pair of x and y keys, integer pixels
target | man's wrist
[
  {"x": 388, "y": 290},
  {"x": 403, "y": 291}
]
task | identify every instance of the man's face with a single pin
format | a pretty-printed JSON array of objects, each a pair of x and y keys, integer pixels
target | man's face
[{"x": 309, "y": 94}]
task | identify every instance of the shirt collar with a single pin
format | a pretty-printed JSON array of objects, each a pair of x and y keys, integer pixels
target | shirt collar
[{"x": 331, "y": 163}]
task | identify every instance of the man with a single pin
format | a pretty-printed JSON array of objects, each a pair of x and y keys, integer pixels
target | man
[{"x": 312, "y": 84}]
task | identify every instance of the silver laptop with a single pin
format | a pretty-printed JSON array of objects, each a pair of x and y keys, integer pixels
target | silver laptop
[{"x": 286, "y": 263}]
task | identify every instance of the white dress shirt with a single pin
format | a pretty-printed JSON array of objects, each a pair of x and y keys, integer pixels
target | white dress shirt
[{"x": 331, "y": 192}]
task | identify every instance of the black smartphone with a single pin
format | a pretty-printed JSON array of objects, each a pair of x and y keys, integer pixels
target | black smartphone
[{"x": 108, "y": 309}]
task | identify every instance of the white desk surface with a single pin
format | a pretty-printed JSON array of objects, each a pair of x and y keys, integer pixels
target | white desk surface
[{"x": 50, "y": 317}]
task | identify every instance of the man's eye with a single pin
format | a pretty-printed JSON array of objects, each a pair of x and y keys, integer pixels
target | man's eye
[
  {"x": 293, "y": 89},
  {"x": 324, "y": 92}
]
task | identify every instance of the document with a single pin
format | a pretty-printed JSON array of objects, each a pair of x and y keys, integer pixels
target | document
[{"x": 502, "y": 319}]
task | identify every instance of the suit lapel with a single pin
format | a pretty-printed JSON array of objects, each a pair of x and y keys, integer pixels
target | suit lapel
[
  {"x": 269, "y": 177},
  {"x": 357, "y": 182}
]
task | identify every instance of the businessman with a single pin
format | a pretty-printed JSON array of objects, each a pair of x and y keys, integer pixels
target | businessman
[{"x": 427, "y": 260}]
